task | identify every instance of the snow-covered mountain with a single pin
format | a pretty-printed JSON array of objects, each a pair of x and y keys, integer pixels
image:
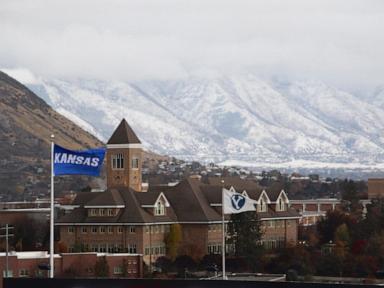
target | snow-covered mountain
[{"x": 229, "y": 118}]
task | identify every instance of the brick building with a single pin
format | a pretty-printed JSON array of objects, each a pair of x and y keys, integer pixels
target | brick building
[
  {"x": 124, "y": 218},
  {"x": 26, "y": 264},
  {"x": 375, "y": 188}
]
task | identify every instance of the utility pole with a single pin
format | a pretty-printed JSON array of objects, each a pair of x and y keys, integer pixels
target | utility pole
[{"x": 7, "y": 229}]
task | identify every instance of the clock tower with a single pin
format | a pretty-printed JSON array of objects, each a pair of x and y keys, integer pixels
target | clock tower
[{"x": 124, "y": 158}]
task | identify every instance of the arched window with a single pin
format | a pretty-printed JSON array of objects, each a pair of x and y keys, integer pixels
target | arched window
[
  {"x": 263, "y": 205},
  {"x": 159, "y": 208},
  {"x": 281, "y": 205},
  {"x": 117, "y": 161}
]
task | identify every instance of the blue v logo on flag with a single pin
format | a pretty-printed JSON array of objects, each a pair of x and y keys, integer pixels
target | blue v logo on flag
[{"x": 238, "y": 201}]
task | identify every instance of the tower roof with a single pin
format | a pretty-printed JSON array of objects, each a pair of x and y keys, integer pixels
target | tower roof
[{"x": 124, "y": 135}]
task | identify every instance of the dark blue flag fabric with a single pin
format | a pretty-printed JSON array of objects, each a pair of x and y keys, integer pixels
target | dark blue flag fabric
[{"x": 85, "y": 162}]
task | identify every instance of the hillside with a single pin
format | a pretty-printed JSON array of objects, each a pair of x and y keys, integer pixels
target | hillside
[{"x": 26, "y": 123}]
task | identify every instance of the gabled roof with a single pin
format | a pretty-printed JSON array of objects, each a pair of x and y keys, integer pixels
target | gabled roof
[
  {"x": 264, "y": 193},
  {"x": 124, "y": 135},
  {"x": 84, "y": 197},
  {"x": 189, "y": 202},
  {"x": 110, "y": 197},
  {"x": 283, "y": 195},
  {"x": 148, "y": 200}
]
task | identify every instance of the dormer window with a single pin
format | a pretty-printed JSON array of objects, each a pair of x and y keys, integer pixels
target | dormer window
[
  {"x": 263, "y": 205},
  {"x": 280, "y": 206},
  {"x": 117, "y": 161},
  {"x": 282, "y": 202},
  {"x": 159, "y": 208},
  {"x": 263, "y": 202}
]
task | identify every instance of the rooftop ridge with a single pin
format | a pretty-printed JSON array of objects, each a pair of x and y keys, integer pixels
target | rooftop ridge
[{"x": 124, "y": 134}]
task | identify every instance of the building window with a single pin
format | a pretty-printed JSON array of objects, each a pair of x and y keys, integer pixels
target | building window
[
  {"x": 102, "y": 229},
  {"x": 263, "y": 205},
  {"x": 94, "y": 230},
  {"x": 23, "y": 273},
  {"x": 103, "y": 248},
  {"x": 84, "y": 230},
  {"x": 94, "y": 212},
  {"x": 159, "y": 209},
  {"x": 280, "y": 205},
  {"x": 71, "y": 229},
  {"x": 147, "y": 228},
  {"x": 10, "y": 273},
  {"x": 118, "y": 270},
  {"x": 102, "y": 212},
  {"x": 94, "y": 248},
  {"x": 135, "y": 163},
  {"x": 132, "y": 248},
  {"x": 132, "y": 229},
  {"x": 119, "y": 230},
  {"x": 111, "y": 212},
  {"x": 117, "y": 161},
  {"x": 110, "y": 230},
  {"x": 214, "y": 248}
]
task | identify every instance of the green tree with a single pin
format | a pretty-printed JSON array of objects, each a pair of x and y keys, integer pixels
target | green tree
[
  {"x": 124, "y": 267},
  {"x": 374, "y": 221},
  {"x": 342, "y": 240},
  {"x": 349, "y": 194},
  {"x": 101, "y": 267},
  {"x": 164, "y": 264},
  {"x": 173, "y": 240},
  {"x": 244, "y": 233},
  {"x": 29, "y": 234},
  {"x": 328, "y": 225}
]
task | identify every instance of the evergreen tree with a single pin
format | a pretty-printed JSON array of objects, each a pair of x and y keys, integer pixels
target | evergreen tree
[
  {"x": 244, "y": 233},
  {"x": 173, "y": 240},
  {"x": 101, "y": 267}
]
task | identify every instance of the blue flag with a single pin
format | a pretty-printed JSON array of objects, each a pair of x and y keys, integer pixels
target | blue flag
[{"x": 86, "y": 162}]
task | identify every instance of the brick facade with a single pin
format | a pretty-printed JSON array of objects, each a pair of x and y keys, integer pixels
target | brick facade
[
  {"x": 127, "y": 176},
  {"x": 192, "y": 204},
  {"x": 26, "y": 264}
]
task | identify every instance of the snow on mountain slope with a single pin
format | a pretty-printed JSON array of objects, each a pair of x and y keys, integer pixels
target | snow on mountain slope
[{"x": 240, "y": 118}]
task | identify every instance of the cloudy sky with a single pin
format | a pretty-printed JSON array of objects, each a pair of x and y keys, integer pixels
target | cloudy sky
[{"x": 337, "y": 41}]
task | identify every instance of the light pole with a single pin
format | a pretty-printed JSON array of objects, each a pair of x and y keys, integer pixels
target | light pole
[
  {"x": 51, "y": 239},
  {"x": 6, "y": 236}
]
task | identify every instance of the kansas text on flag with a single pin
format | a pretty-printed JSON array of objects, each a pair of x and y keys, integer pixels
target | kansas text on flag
[{"x": 86, "y": 162}]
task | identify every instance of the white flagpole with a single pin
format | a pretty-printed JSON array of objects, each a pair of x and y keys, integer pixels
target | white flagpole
[
  {"x": 223, "y": 230},
  {"x": 51, "y": 246}
]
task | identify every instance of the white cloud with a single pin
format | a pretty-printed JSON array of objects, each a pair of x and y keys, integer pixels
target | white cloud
[{"x": 338, "y": 41}]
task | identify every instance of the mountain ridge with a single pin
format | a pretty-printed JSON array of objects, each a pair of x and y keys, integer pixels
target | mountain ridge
[{"x": 229, "y": 118}]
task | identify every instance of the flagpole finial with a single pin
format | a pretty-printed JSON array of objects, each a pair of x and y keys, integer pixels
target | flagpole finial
[{"x": 52, "y": 136}]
